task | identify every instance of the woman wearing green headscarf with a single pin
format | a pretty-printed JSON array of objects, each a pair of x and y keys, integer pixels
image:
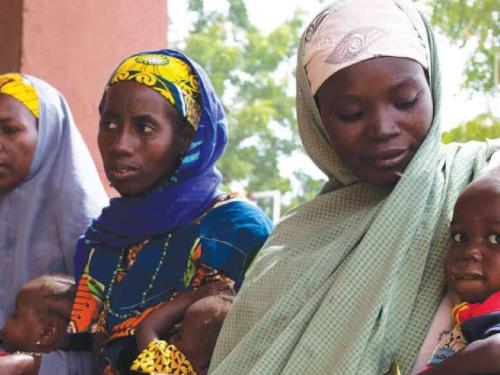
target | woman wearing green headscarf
[{"x": 352, "y": 282}]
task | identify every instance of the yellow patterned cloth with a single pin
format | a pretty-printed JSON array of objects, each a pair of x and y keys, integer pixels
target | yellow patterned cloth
[
  {"x": 173, "y": 78},
  {"x": 394, "y": 370},
  {"x": 160, "y": 357},
  {"x": 15, "y": 85}
]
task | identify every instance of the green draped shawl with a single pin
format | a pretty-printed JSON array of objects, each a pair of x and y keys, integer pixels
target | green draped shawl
[{"x": 350, "y": 281}]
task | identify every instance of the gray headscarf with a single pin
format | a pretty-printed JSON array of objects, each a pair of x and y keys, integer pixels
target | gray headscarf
[{"x": 41, "y": 219}]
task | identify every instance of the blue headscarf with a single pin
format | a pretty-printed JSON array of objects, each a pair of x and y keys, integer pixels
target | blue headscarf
[{"x": 192, "y": 189}]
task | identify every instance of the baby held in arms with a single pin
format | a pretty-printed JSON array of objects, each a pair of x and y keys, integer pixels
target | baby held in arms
[
  {"x": 472, "y": 270},
  {"x": 188, "y": 346},
  {"x": 38, "y": 324}
]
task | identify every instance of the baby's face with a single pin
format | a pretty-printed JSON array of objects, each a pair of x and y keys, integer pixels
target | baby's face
[
  {"x": 472, "y": 265},
  {"x": 21, "y": 330}
]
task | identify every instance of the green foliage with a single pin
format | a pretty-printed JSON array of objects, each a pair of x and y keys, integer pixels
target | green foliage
[
  {"x": 244, "y": 66},
  {"x": 462, "y": 20},
  {"x": 482, "y": 127}
]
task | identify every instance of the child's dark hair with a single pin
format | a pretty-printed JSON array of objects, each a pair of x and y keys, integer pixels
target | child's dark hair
[{"x": 56, "y": 294}]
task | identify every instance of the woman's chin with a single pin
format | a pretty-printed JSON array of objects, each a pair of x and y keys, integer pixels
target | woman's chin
[{"x": 386, "y": 179}]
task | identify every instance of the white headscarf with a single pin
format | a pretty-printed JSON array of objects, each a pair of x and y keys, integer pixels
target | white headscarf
[
  {"x": 41, "y": 219},
  {"x": 348, "y": 32}
]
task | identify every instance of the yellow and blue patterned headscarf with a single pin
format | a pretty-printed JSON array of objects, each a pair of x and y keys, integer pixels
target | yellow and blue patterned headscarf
[
  {"x": 173, "y": 78},
  {"x": 15, "y": 85}
]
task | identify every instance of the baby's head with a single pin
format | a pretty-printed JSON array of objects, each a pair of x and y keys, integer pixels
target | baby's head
[
  {"x": 200, "y": 328},
  {"x": 472, "y": 266},
  {"x": 43, "y": 307}
]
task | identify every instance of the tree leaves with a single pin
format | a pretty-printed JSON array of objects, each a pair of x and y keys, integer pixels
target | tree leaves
[
  {"x": 248, "y": 71},
  {"x": 472, "y": 21},
  {"x": 482, "y": 127}
]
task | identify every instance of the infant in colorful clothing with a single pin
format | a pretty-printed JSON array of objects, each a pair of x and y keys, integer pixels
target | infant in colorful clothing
[
  {"x": 191, "y": 323},
  {"x": 472, "y": 268}
]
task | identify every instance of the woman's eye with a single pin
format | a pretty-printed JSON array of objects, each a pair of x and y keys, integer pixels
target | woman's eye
[
  {"x": 494, "y": 239},
  {"x": 350, "y": 117},
  {"x": 407, "y": 103},
  {"x": 7, "y": 129},
  {"x": 108, "y": 125},
  {"x": 146, "y": 129},
  {"x": 458, "y": 237}
]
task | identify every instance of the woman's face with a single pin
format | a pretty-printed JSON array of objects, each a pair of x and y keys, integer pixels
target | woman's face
[
  {"x": 140, "y": 139},
  {"x": 18, "y": 136},
  {"x": 377, "y": 113}
]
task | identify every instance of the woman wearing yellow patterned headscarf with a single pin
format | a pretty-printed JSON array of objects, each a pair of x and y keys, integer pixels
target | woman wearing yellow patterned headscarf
[{"x": 161, "y": 131}]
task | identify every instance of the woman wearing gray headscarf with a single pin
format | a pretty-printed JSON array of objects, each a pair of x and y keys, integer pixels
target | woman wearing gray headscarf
[
  {"x": 49, "y": 192},
  {"x": 352, "y": 282}
]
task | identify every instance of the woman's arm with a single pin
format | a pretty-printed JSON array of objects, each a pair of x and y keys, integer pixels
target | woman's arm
[
  {"x": 169, "y": 313},
  {"x": 479, "y": 357}
]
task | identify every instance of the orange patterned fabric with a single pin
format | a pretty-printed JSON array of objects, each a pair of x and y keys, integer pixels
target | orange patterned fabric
[
  {"x": 85, "y": 308},
  {"x": 127, "y": 328}
]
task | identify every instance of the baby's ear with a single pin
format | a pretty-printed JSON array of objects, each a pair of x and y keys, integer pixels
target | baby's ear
[{"x": 51, "y": 332}]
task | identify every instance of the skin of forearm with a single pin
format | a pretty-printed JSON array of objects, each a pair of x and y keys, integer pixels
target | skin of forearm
[{"x": 164, "y": 317}]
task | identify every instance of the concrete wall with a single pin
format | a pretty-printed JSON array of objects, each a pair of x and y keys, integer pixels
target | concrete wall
[{"x": 75, "y": 45}]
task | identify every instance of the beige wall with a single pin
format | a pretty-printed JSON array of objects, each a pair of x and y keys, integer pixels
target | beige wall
[{"x": 75, "y": 45}]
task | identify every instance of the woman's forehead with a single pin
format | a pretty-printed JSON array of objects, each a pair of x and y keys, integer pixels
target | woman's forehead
[
  {"x": 12, "y": 109},
  {"x": 387, "y": 73}
]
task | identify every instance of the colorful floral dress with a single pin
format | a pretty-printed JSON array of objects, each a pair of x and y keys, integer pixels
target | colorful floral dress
[{"x": 119, "y": 287}]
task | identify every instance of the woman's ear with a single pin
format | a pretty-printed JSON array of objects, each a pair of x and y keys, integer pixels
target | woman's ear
[{"x": 187, "y": 135}]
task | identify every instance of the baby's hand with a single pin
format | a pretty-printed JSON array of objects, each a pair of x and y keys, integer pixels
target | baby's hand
[{"x": 479, "y": 357}]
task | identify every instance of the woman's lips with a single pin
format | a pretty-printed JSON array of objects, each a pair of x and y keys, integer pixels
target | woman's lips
[
  {"x": 121, "y": 172},
  {"x": 3, "y": 166},
  {"x": 387, "y": 159}
]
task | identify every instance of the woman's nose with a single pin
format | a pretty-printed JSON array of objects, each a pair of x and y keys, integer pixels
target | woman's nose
[
  {"x": 382, "y": 125},
  {"x": 124, "y": 143}
]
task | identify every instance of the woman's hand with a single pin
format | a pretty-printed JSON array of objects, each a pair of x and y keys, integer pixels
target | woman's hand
[
  {"x": 482, "y": 357},
  {"x": 19, "y": 364}
]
